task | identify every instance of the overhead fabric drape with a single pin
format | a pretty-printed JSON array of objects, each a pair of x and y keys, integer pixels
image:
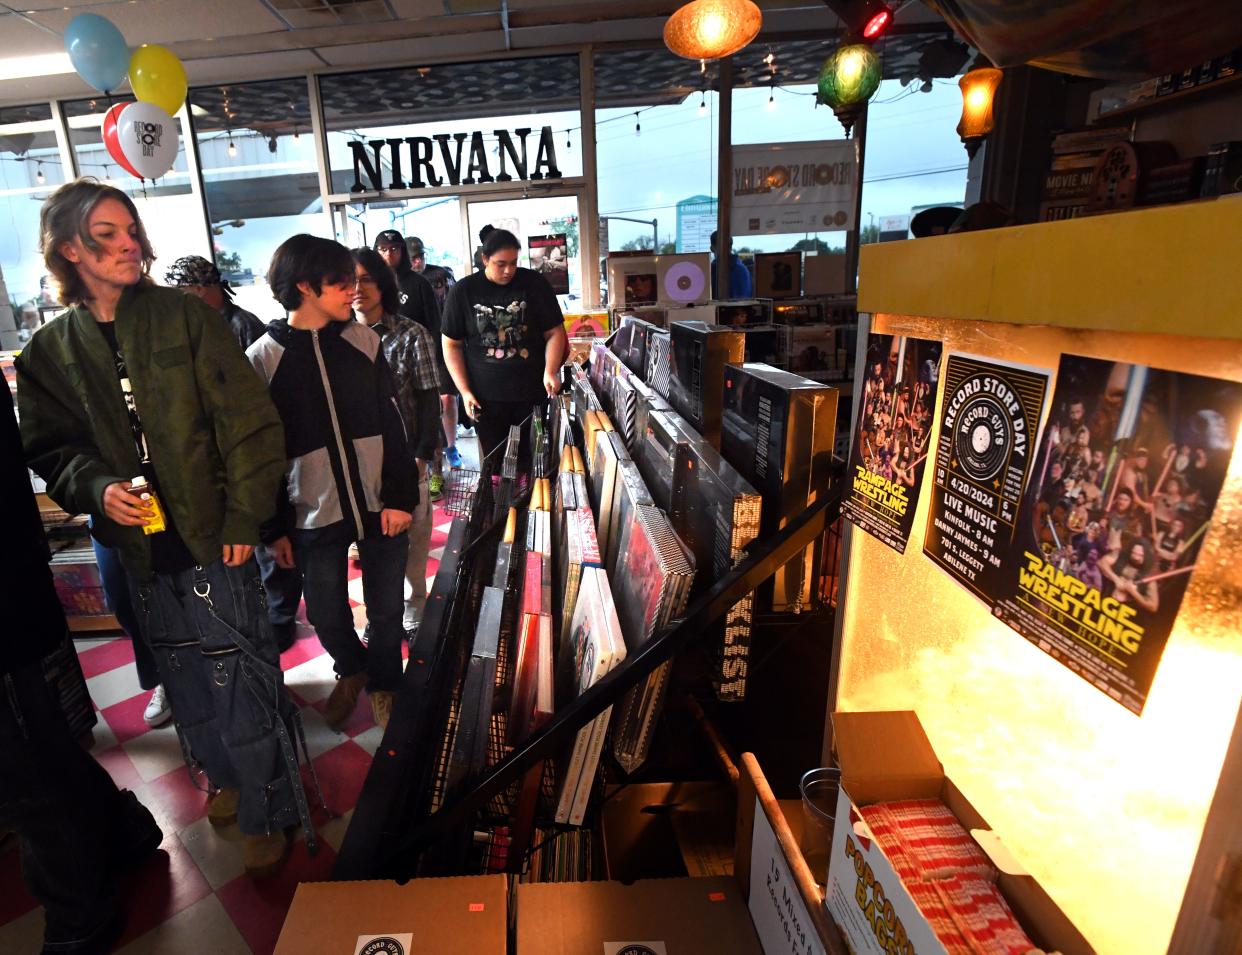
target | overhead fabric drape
[{"x": 1111, "y": 39}]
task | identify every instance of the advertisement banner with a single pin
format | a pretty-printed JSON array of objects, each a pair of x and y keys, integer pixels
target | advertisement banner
[
  {"x": 988, "y": 422},
  {"x": 891, "y": 436},
  {"x": 794, "y": 187},
  {"x": 1129, "y": 470}
]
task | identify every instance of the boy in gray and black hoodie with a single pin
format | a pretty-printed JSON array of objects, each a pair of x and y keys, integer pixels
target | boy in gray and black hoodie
[{"x": 350, "y": 473}]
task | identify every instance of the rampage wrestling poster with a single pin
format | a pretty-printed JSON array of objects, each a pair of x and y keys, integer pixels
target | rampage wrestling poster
[
  {"x": 1128, "y": 473},
  {"x": 891, "y": 436},
  {"x": 989, "y": 417}
]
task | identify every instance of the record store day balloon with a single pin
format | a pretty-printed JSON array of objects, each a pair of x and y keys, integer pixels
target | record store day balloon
[
  {"x": 97, "y": 51},
  {"x": 148, "y": 138},
  {"x": 112, "y": 138}
]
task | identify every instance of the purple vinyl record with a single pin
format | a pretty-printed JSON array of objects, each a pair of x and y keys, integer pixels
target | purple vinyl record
[{"x": 684, "y": 282}]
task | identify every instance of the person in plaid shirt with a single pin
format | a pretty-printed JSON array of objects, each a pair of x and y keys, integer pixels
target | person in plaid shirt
[{"x": 411, "y": 354}]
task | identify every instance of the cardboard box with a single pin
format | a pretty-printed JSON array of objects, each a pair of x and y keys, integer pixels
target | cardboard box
[
  {"x": 661, "y": 830},
  {"x": 887, "y": 756},
  {"x": 651, "y": 917},
  {"x": 466, "y": 915}
]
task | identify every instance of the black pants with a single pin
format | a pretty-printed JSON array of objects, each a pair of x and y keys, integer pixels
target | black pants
[
  {"x": 492, "y": 427},
  {"x": 70, "y": 818}
]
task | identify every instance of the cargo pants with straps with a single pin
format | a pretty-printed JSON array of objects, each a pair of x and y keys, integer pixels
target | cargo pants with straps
[{"x": 217, "y": 658}]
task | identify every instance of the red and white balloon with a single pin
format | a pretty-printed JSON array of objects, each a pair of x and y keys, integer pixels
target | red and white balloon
[{"x": 142, "y": 138}]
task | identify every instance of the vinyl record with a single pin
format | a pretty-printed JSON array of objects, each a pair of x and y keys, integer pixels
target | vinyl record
[
  {"x": 984, "y": 438},
  {"x": 684, "y": 282}
]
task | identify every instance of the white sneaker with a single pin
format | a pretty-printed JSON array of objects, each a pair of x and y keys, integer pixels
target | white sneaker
[{"x": 158, "y": 711}]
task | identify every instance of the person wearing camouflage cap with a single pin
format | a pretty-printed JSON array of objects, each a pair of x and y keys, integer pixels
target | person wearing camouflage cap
[{"x": 199, "y": 277}]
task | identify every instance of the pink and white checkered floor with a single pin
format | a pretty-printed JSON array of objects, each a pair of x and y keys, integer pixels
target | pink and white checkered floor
[{"x": 193, "y": 895}]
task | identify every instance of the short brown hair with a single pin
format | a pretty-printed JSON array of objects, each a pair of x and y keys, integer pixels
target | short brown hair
[{"x": 64, "y": 216}]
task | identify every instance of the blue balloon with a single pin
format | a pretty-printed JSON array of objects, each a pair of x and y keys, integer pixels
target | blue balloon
[{"x": 97, "y": 51}]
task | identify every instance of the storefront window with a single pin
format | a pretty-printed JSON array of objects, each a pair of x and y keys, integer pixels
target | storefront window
[
  {"x": 259, "y": 179},
  {"x": 30, "y": 168},
  {"x": 171, "y": 207},
  {"x": 914, "y": 156},
  {"x": 454, "y": 124},
  {"x": 655, "y": 147},
  {"x": 658, "y": 127}
]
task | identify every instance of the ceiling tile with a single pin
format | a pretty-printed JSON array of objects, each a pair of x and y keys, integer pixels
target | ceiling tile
[
  {"x": 260, "y": 66},
  {"x": 22, "y": 38},
  {"x": 170, "y": 21},
  {"x": 420, "y": 9},
  {"x": 409, "y": 51}
]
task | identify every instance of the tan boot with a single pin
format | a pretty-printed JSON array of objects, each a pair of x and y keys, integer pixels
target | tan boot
[
  {"x": 343, "y": 699},
  {"x": 265, "y": 854},
  {"x": 381, "y": 706},
  {"x": 222, "y": 807}
]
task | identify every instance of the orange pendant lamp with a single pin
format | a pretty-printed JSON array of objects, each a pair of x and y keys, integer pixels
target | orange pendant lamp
[{"x": 711, "y": 29}]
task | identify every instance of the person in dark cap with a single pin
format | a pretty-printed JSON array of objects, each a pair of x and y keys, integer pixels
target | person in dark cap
[
  {"x": 441, "y": 277},
  {"x": 194, "y": 274},
  {"x": 418, "y": 301}
]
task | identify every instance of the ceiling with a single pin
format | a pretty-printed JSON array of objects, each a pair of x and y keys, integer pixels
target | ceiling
[{"x": 225, "y": 41}]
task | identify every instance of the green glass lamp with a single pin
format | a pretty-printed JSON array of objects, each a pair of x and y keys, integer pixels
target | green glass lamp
[{"x": 848, "y": 78}]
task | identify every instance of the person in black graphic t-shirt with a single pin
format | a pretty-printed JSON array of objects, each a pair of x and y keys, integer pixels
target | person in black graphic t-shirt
[{"x": 504, "y": 340}]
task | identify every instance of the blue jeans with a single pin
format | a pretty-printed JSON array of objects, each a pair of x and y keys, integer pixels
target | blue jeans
[
  {"x": 116, "y": 595},
  {"x": 325, "y": 576},
  {"x": 283, "y": 587},
  {"x": 213, "y": 644}
]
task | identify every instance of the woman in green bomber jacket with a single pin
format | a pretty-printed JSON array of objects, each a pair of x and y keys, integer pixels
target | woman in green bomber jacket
[{"x": 139, "y": 382}]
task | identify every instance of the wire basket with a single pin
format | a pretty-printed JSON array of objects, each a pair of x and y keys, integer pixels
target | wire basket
[{"x": 460, "y": 490}]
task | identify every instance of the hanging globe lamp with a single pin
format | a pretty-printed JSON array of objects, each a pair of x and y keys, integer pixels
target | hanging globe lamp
[
  {"x": 849, "y": 77},
  {"x": 712, "y": 29}
]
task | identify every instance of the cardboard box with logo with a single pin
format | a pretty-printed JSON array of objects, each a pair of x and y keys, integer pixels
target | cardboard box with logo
[
  {"x": 466, "y": 915},
  {"x": 649, "y": 917},
  {"x": 886, "y": 757}
]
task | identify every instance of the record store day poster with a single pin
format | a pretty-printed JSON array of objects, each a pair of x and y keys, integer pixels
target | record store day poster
[
  {"x": 1128, "y": 473},
  {"x": 892, "y": 436},
  {"x": 989, "y": 418}
]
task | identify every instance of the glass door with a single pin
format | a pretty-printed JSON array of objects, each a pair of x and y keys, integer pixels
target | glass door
[
  {"x": 436, "y": 220},
  {"x": 548, "y": 227}
]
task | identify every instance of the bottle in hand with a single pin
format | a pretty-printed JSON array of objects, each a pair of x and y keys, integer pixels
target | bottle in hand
[{"x": 155, "y": 511}]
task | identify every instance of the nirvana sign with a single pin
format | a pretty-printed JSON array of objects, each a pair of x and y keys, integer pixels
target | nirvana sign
[{"x": 447, "y": 159}]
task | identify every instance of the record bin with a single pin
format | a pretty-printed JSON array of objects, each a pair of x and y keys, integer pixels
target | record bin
[{"x": 1129, "y": 820}]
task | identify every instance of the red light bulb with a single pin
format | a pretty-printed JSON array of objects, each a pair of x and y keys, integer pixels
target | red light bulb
[{"x": 875, "y": 26}]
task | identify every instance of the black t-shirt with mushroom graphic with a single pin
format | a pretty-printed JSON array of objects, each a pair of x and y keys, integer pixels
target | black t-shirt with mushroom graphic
[{"x": 503, "y": 328}]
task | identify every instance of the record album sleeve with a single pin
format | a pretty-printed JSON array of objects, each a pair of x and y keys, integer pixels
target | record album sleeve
[
  {"x": 630, "y": 491},
  {"x": 696, "y": 387},
  {"x": 595, "y": 647}
]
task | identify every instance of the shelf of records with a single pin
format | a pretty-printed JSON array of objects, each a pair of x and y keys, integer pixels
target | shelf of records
[
  {"x": 643, "y": 491},
  {"x": 75, "y": 572}
]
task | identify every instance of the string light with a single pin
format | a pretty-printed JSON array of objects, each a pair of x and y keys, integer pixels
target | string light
[
  {"x": 772, "y": 98},
  {"x": 568, "y": 142},
  {"x": 638, "y": 126},
  {"x": 232, "y": 148},
  {"x": 39, "y": 177},
  {"x": 702, "y": 104}
]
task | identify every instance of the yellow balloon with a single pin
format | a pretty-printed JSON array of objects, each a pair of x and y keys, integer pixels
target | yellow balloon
[{"x": 157, "y": 77}]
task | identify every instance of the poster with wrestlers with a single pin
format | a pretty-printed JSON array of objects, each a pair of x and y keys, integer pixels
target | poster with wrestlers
[
  {"x": 1129, "y": 469},
  {"x": 892, "y": 434},
  {"x": 989, "y": 418}
]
